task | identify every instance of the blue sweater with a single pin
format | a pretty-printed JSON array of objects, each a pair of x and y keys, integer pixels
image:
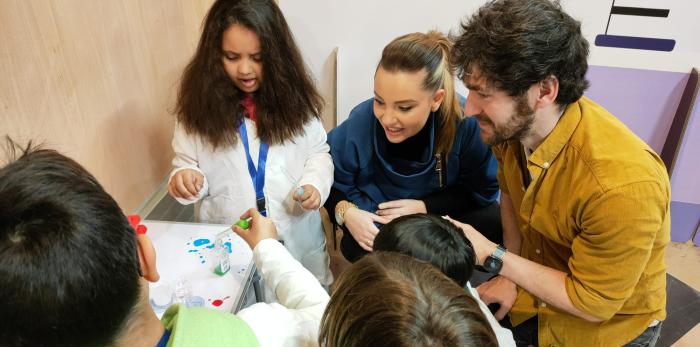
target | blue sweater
[{"x": 367, "y": 177}]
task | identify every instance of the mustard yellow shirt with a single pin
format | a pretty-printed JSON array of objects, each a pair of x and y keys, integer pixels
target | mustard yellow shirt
[{"x": 597, "y": 208}]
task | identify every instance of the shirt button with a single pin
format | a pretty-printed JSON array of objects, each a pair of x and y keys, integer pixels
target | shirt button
[
  {"x": 538, "y": 251},
  {"x": 546, "y": 164}
]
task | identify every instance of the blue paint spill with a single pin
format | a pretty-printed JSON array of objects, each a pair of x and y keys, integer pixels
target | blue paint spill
[
  {"x": 199, "y": 246},
  {"x": 201, "y": 242}
]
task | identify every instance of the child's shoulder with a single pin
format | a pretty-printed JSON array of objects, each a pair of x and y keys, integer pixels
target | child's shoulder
[{"x": 190, "y": 324}]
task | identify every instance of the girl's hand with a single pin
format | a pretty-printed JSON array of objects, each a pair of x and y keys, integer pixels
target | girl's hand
[
  {"x": 308, "y": 196},
  {"x": 186, "y": 184},
  {"x": 361, "y": 225},
  {"x": 397, "y": 208},
  {"x": 261, "y": 228}
]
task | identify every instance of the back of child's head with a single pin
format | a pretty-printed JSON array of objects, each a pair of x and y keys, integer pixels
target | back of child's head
[
  {"x": 431, "y": 239},
  {"x": 69, "y": 268},
  {"x": 209, "y": 104},
  {"x": 390, "y": 299}
]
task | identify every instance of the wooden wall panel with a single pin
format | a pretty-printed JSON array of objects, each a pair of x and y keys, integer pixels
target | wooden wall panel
[{"x": 97, "y": 80}]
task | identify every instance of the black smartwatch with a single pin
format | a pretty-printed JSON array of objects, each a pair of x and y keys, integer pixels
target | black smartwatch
[{"x": 494, "y": 262}]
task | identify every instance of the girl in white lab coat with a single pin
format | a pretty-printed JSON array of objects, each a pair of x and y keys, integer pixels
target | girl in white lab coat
[{"x": 248, "y": 132}]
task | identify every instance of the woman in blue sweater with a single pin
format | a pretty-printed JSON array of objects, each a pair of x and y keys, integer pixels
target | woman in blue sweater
[{"x": 410, "y": 150}]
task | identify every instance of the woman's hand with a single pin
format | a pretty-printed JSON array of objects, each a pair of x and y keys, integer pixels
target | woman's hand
[
  {"x": 308, "y": 196},
  {"x": 361, "y": 225},
  {"x": 397, "y": 208},
  {"x": 186, "y": 184}
]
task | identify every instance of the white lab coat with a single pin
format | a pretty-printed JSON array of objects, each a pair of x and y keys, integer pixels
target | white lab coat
[
  {"x": 228, "y": 188},
  {"x": 295, "y": 320},
  {"x": 503, "y": 335}
]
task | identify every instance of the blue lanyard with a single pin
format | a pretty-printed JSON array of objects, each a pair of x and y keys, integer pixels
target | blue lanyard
[
  {"x": 258, "y": 176},
  {"x": 164, "y": 339}
]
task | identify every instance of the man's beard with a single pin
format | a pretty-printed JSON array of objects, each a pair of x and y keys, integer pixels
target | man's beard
[{"x": 517, "y": 127}]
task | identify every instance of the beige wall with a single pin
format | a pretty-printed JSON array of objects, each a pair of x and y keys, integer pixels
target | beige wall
[{"x": 96, "y": 79}]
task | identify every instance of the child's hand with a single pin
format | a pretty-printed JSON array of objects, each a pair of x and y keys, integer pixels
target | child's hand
[
  {"x": 261, "y": 228},
  {"x": 308, "y": 196},
  {"x": 186, "y": 184}
]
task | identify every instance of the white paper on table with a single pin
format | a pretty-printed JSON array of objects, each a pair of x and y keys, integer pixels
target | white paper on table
[{"x": 187, "y": 250}]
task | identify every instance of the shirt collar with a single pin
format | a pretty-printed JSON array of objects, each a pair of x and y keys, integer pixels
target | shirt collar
[
  {"x": 552, "y": 145},
  {"x": 249, "y": 105}
]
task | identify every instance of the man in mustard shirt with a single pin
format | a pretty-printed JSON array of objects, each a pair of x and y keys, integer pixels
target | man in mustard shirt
[{"x": 584, "y": 202}]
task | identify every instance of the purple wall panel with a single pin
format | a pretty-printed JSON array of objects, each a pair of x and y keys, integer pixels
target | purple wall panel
[
  {"x": 684, "y": 220},
  {"x": 645, "y": 100},
  {"x": 685, "y": 183}
]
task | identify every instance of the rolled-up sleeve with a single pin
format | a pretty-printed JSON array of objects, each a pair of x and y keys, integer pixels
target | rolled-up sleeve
[{"x": 618, "y": 232}]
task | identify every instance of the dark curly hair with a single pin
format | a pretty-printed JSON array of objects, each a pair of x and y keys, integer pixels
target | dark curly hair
[
  {"x": 208, "y": 103},
  {"x": 516, "y": 43}
]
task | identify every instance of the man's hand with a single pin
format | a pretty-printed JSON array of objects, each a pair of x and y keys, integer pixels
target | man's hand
[
  {"x": 186, "y": 184},
  {"x": 261, "y": 228},
  {"x": 499, "y": 290},
  {"x": 361, "y": 225},
  {"x": 483, "y": 247},
  {"x": 397, "y": 208},
  {"x": 308, "y": 196}
]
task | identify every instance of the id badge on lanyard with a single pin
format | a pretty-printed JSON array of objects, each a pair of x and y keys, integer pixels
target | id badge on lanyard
[{"x": 256, "y": 175}]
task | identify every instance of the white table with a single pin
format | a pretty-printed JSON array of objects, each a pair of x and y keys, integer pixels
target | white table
[{"x": 186, "y": 250}]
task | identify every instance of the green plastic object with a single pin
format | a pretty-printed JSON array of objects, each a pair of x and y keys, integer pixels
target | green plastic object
[
  {"x": 243, "y": 224},
  {"x": 218, "y": 271}
]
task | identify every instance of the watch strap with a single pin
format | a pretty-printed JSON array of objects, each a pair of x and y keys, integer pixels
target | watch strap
[{"x": 499, "y": 252}]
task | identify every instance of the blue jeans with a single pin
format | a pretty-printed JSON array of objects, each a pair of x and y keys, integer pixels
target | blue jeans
[
  {"x": 648, "y": 338},
  {"x": 525, "y": 334}
]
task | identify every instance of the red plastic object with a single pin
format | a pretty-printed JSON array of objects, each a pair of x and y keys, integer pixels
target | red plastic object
[{"x": 135, "y": 222}]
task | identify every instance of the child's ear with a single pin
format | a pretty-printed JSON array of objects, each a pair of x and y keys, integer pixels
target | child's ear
[{"x": 147, "y": 258}]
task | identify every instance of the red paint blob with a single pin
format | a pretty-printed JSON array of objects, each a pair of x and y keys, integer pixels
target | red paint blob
[{"x": 217, "y": 302}]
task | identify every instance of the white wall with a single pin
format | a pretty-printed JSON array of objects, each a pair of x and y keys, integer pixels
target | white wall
[{"x": 361, "y": 28}]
